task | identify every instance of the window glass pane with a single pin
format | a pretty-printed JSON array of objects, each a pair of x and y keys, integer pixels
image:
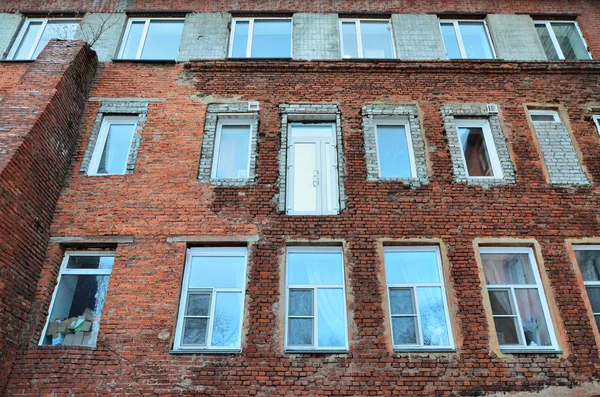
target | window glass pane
[
  {"x": 232, "y": 159},
  {"x": 597, "y": 318},
  {"x": 240, "y": 40},
  {"x": 543, "y": 117},
  {"x": 272, "y": 39},
  {"x": 500, "y": 301},
  {"x": 350, "y": 49},
  {"x": 90, "y": 262},
  {"x": 162, "y": 40},
  {"x": 300, "y": 332},
  {"x": 475, "y": 151},
  {"x": 226, "y": 325},
  {"x": 194, "y": 331},
  {"x": 547, "y": 43},
  {"x": 133, "y": 40},
  {"x": 217, "y": 272},
  {"x": 594, "y": 296},
  {"x": 506, "y": 330},
  {"x": 301, "y": 302},
  {"x": 433, "y": 316},
  {"x": 332, "y": 327},
  {"x": 502, "y": 269},
  {"x": 450, "y": 41},
  {"x": 116, "y": 149},
  {"x": 401, "y": 301},
  {"x": 305, "y": 180},
  {"x": 411, "y": 267},
  {"x": 376, "y": 39},
  {"x": 394, "y": 157},
  {"x": 589, "y": 264},
  {"x": 404, "y": 330},
  {"x": 56, "y": 30},
  {"x": 570, "y": 41},
  {"x": 314, "y": 268},
  {"x": 475, "y": 40},
  {"x": 198, "y": 305},
  {"x": 532, "y": 317},
  {"x": 33, "y": 29},
  {"x": 75, "y": 315}
]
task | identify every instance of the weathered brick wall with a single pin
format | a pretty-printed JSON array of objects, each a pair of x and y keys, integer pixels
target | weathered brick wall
[
  {"x": 11, "y": 73},
  {"x": 163, "y": 198},
  {"x": 39, "y": 125}
]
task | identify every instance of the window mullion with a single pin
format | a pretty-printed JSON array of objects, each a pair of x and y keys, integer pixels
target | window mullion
[
  {"x": 417, "y": 315},
  {"x": 99, "y": 148},
  {"x": 250, "y": 37},
  {"x": 520, "y": 331},
  {"x": 316, "y": 317},
  {"x": 555, "y": 42},
  {"x": 359, "y": 39},
  {"x": 459, "y": 39},
  {"x": 138, "y": 55}
]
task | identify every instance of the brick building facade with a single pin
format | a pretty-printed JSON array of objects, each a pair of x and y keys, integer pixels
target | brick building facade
[{"x": 526, "y": 189}]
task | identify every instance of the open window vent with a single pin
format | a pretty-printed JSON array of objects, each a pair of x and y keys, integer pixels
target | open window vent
[
  {"x": 492, "y": 109},
  {"x": 253, "y": 106}
]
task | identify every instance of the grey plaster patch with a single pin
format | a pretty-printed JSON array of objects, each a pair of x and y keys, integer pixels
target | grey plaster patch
[
  {"x": 374, "y": 112},
  {"x": 9, "y": 27},
  {"x": 204, "y": 36},
  {"x": 453, "y": 112},
  {"x": 316, "y": 36},
  {"x": 224, "y": 111},
  {"x": 114, "y": 107},
  {"x": 515, "y": 37},
  {"x": 104, "y": 30},
  {"x": 418, "y": 36}
]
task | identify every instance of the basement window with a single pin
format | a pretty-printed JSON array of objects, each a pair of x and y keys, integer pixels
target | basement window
[
  {"x": 152, "y": 39},
  {"x": 516, "y": 295},
  {"x": 261, "y": 38},
  {"x": 562, "y": 40},
  {"x": 37, "y": 32},
  {"x": 467, "y": 40},
  {"x": 78, "y": 299},
  {"x": 417, "y": 298},
  {"x": 478, "y": 149},
  {"x": 316, "y": 300},
  {"x": 366, "y": 38},
  {"x": 588, "y": 261},
  {"x": 212, "y": 299},
  {"x": 113, "y": 145}
]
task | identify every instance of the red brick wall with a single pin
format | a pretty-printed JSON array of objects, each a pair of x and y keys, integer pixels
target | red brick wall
[
  {"x": 163, "y": 198},
  {"x": 39, "y": 125},
  {"x": 10, "y": 75}
]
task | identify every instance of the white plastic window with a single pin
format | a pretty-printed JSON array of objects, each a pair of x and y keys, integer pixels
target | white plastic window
[
  {"x": 550, "y": 116},
  {"x": 113, "y": 145},
  {"x": 478, "y": 150},
  {"x": 231, "y": 159},
  {"x": 212, "y": 299},
  {"x": 588, "y": 262},
  {"x": 395, "y": 153},
  {"x": 36, "y": 33},
  {"x": 366, "y": 38},
  {"x": 519, "y": 307},
  {"x": 467, "y": 40},
  {"x": 562, "y": 40},
  {"x": 78, "y": 299},
  {"x": 261, "y": 38},
  {"x": 597, "y": 122},
  {"x": 417, "y": 298},
  {"x": 312, "y": 173},
  {"x": 152, "y": 38},
  {"x": 316, "y": 300}
]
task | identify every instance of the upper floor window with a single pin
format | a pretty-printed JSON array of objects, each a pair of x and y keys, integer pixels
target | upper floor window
[
  {"x": 597, "y": 121},
  {"x": 36, "y": 33},
  {"x": 78, "y": 299},
  {"x": 519, "y": 308},
  {"x": 467, "y": 40},
  {"x": 113, "y": 145},
  {"x": 395, "y": 154},
  {"x": 562, "y": 40},
  {"x": 152, "y": 38},
  {"x": 366, "y": 38},
  {"x": 417, "y": 299},
  {"x": 261, "y": 38},
  {"x": 478, "y": 149},
  {"x": 231, "y": 159},
  {"x": 316, "y": 299},
  {"x": 588, "y": 261}
]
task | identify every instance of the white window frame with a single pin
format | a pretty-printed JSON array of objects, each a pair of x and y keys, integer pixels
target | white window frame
[
  {"x": 537, "y": 112},
  {"x": 142, "y": 42},
  {"x": 359, "y": 45},
  {"x": 215, "y": 160},
  {"x": 596, "y": 119},
  {"x": 334, "y": 183},
  {"x": 588, "y": 283},
  {"x": 461, "y": 45},
  {"x": 413, "y": 287},
  {"x": 396, "y": 121},
  {"x": 101, "y": 142},
  {"x": 555, "y": 42},
  {"x": 490, "y": 146},
  {"x": 236, "y": 252},
  {"x": 510, "y": 288},
  {"x": 315, "y": 288},
  {"x": 64, "y": 271},
  {"x": 251, "y": 34},
  {"x": 24, "y": 28}
]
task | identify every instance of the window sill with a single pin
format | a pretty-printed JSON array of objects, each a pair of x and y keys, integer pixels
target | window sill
[
  {"x": 230, "y": 182},
  {"x": 423, "y": 350},
  {"x": 531, "y": 351},
  {"x": 157, "y": 61},
  {"x": 260, "y": 59},
  {"x": 205, "y": 351},
  {"x": 320, "y": 351}
]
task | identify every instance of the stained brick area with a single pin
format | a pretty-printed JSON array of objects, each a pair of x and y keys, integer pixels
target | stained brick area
[
  {"x": 39, "y": 125},
  {"x": 163, "y": 198}
]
